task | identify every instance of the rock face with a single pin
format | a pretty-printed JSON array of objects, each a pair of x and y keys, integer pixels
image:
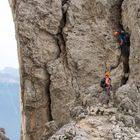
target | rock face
[
  {"x": 2, "y": 134},
  {"x": 64, "y": 48}
]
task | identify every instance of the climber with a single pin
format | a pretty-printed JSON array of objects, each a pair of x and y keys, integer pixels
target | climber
[
  {"x": 123, "y": 40},
  {"x": 106, "y": 85}
]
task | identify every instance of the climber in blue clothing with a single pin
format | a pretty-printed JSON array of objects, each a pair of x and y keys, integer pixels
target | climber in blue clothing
[{"x": 123, "y": 40}]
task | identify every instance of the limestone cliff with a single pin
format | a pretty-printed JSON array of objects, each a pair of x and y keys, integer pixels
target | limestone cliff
[
  {"x": 2, "y": 134},
  {"x": 63, "y": 47}
]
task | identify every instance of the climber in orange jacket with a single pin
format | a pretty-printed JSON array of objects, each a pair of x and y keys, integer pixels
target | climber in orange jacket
[{"x": 106, "y": 85}]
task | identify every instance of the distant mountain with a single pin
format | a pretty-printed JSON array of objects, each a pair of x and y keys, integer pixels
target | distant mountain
[
  {"x": 12, "y": 71},
  {"x": 9, "y": 75},
  {"x": 9, "y": 102}
]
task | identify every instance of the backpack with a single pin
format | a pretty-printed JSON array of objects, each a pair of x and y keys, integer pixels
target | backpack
[
  {"x": 103, "y": 83},
  {"x": 126, "y": 39}
]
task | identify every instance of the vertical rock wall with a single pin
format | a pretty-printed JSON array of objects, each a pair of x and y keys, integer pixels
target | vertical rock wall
[
  {"x": 63, "y": 47},
  {"x": 86, "y": 44},
  {"x": 131, "y": 22},
  {"x": 37, "y": 23}
]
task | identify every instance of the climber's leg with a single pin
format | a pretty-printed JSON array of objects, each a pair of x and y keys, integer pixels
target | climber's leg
[
  {"x": 125, "y": 60},
  {"x": 106, "y": 95},
  {"x": 126, "y": 70}
]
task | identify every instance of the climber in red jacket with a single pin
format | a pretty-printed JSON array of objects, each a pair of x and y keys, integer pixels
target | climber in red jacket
[{"x": 106, "y": 85}]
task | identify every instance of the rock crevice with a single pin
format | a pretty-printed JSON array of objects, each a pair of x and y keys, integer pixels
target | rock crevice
[
  {"x": 49, "y": 114},
  {"x": 121, "y": 58},
  {"x": 60, "y": 36}
]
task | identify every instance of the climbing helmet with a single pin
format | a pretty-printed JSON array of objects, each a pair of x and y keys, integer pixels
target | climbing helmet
[
  {"x": 116, "y": 34},
  {"x": 107, "y": 73}
]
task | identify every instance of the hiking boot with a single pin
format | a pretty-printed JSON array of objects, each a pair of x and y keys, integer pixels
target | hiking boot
[{"x": 126, "y": 75}]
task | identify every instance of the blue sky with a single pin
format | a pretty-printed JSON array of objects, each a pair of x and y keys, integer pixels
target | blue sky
[{"x": 8, "y": 47}]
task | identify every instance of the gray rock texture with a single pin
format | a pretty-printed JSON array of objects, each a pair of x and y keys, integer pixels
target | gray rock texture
[
  {"x": 130, "y": 10},
  {"x": 2, "y": 134},
  {"x": 64, "y": 47}
]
